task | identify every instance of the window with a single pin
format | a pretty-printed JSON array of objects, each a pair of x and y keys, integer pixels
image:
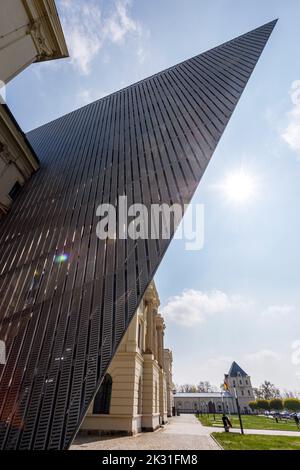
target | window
[
  {"x": 249, "y": 393},
  {"x": 233, "y": 383},
  {"x": 246, "y": 382},
  {"x": 15, "y": 190},
  {"x": 102, "y": 399},
  {"x": 241, "y": 382},
  {"x": 140, "y": 336},
  {"x": 140, "y": 397},
  {"x": 242, "y": 392}
]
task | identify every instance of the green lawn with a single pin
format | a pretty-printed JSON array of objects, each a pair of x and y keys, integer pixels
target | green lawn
[
  {"x": 256, "y": 442},
  {"x": 250, "y": 422}
]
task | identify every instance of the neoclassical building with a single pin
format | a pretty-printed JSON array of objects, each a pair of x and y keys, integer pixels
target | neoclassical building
[
  {"x": 237, "y": 383},
  {"x": 30, "y": 31},
  {"x": 136, "y": 393}
]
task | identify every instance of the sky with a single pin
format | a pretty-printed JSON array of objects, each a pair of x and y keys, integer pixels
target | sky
[{"x": 238, "y": 297}]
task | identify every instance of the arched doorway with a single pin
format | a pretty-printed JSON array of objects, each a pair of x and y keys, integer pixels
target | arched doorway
[
  {"x": 103, "y": 397},
  {"x": 211, "y": 407}
]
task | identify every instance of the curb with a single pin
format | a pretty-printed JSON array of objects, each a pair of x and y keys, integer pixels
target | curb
[{"x": 218, "y": 444}]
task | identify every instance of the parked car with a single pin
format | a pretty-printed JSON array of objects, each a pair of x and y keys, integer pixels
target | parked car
[
  {"x": 284, "y": 414},
  {"x": 292, "y": 415}
]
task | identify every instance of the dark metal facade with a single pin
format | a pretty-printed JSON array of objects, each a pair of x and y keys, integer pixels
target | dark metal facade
[{"x": 63, "y": 317}]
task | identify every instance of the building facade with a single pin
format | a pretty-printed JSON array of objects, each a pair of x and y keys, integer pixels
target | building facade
[
  {"x": 135, "y": 393},
  {"x": 67, "y": 295},
  {"x": 30, "y": 31},
  {"x": 210, "y": 402},
  {"x": 236, "y": 384}
]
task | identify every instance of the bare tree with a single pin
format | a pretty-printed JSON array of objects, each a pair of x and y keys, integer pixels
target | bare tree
[
  {"x": 187, "y": 388},
  {"x": 206, "y": 387},
  {"x": 267, "y": 391}
]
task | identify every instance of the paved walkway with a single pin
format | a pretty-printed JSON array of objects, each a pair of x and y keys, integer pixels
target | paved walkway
[
  {"x": 183, "y": 432},
  {"x": 266, "y": 432}
]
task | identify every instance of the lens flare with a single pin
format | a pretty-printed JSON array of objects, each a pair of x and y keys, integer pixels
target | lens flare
[{"x": 61, "y": 258}]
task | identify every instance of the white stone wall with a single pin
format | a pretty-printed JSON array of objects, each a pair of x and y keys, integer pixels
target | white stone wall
[{"x": 132, "y": 366}]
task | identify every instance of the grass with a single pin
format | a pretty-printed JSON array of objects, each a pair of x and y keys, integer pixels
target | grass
[
  {"x": 256, "y": 442},
  {"x": 250, "y": 422}
]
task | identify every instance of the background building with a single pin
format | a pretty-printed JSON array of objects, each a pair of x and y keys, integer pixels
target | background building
[
  {"x": 202, "y": 402},
  {"x": 135, "y": 392},
  {"x": 237, "y": 381}
]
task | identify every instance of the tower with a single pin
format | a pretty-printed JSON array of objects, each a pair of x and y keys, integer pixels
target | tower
[{"x": 239, "y": 383}]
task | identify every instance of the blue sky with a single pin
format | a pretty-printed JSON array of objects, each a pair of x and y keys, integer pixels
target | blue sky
[{"x": 237, "y": 298}]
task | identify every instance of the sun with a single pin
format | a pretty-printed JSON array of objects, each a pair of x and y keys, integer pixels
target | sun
[{"x": 240, "y": 187}]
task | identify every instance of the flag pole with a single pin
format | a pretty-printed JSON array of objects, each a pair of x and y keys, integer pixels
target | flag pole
[{"x": 239, "y": 410}]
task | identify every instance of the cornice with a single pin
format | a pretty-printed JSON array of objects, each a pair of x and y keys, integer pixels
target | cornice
[{"x": 45, "y": 29}]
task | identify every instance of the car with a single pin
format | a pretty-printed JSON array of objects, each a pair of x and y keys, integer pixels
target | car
[
  {"x": 292, "y": 415},
  {"x": 284, "y": 414}
]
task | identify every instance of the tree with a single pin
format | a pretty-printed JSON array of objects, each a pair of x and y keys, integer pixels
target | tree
[
  {"x": 267, "y": 391},
  {"x": 276, "y": 404},
  {"x": 187, "y": 388},
  {"x": 263, "y": 405},
  {"x": 292, "y": 404},
  {"x": 206, "y": 387},
  {"x": 291, "y": 394},
  {"x": 253, "y": 405}
]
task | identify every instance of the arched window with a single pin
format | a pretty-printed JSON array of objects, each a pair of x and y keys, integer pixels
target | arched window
[
  {"x": 140, "y": 336},
  {"x": 102, "y": 399},
  {"x": 140, "y": 397}
]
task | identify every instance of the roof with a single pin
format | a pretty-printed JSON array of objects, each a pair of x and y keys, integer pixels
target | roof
[
  {"x": 235, "y": 371},
  {"x": 203, "y": 395}
]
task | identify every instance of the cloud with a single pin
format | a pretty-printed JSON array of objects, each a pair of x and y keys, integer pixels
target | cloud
[
  {"x": 291, "y": 134},
  {"x": 267, "y": 364},
  {"x": 120, "y": 23},
  {"x": 86, "y": 96},
  {"x": 88, "y": 29},
  {"x": 261, "y": 355},
  {"x": 276, "y": 312},
  {"x": 192, "y": 307}
]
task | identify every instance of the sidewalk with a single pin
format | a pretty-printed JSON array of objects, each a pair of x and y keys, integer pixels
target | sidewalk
[{"x": 183, "y": 432}]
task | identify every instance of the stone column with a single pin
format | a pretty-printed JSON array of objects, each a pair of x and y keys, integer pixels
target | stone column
[
  {"x": 149, "y": 333},
  {"x": 160, "y": 340},
  {"x": 152, "y": 302},
  {"x": 154, "y": 334}
]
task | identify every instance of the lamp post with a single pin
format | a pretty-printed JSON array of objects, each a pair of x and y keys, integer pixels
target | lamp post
[
  {"x": 222, "y": 395},
  {"x": 238, "y": 409}
]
